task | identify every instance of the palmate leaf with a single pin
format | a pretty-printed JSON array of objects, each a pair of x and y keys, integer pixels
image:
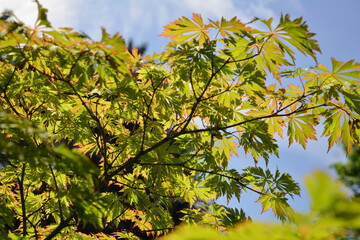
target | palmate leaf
[
  {"x": 116, "y": 54},
  {"x": 338, "y": 125},
  {"x": 346, "y": 70},
  {"x": 296, "y": 32},
  {"x": 271, "y": 59},
  {"x": 227, "y": 147},
  {"x": 233, "y": 216},
  {"x": 343, "y": 80},
  {"x": 285, "y": 183},
  {"x": 352, "y": 101},
  {"x": 226, "y": 28},
  {"x": 301, "y": 128},
  {"x": 275, "y": 126},
  {"x": 271, "y": 48},
  {"x": 196, "y": 191},
  {"x": 278, "y": 203},
  {"x": 349, "y": 68},
  {"x": 280, "y": 42},
  {"x": 184, "y": 29},
  {"x": 266, "y": 181}
]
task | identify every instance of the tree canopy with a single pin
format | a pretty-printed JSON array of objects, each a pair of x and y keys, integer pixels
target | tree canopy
[{"x": 101, "y": 142}]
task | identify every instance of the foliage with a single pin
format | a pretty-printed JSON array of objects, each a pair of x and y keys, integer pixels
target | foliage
[
  {"x": 349, "y": 171},
  {"x": 100, "y": 142},
  {"x": 331, "y": 213}
]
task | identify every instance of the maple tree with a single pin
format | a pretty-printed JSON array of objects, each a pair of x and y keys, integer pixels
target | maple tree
[{"x": 100, "y": 142}]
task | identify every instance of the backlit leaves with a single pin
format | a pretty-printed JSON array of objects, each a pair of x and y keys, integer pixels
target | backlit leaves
[
  {"x": 296, "y": 32},
  {"x": 301, "y": 128},
  {"x": 103, "y": 139},
  {"x": 184, "y": 29},
  {"x": 330, "y": 215},
  {"x": 227, "y": 28},
  {"x": 338, "y": 125}
]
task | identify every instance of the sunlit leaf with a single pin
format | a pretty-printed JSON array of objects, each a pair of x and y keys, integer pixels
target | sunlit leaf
[{"x": 184, "y": 29}]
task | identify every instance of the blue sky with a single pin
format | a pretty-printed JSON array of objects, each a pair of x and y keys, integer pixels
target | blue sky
[{"x": 337, "y": 24}]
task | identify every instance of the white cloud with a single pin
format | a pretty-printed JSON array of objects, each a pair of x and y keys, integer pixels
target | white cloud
[
  {"x": 211, "y": 8},
  {"x": 64, "y": 14},
  {"x": 26, "y": 11}
]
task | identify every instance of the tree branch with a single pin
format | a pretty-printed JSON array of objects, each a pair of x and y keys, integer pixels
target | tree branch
[
  {"x": 57, "y": 190},
  {"x": 213, "y": 74},
  {"x": 58, "y": 229},
  {"x": 22, "y": 198},
  {"x": 136, "y": 159},
  {"x": 238, "y": 180},
  {"x": 251, "y": 120},
  {"x": 133, "y": 160},
  {"x": 7, "y": 98},
  {"x": 103, "y": 148},
  {"x": 199, "y": 98}
]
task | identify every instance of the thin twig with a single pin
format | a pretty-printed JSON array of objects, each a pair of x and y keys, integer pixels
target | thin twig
[
  {"x": 57, "y": 191},
  {"x": 7, "y": 98},
  {"x": 22, "y": 197},
  {"x": 238, "y": 180}
]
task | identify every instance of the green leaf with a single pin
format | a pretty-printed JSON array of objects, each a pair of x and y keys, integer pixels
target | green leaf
[
  {"x": 301, "y": 128},
  {"x": 296, "y": 32},
  {"x": 227, "y": 28},
  {"x": 338, "y": 124},
  {"x": 184, "y": 29},
  {"x": 278, "y": 204},
  {"x": 42, "y": 16},
  {"x": 285, "y": 183},
  {"x": 352, "y": 101}
]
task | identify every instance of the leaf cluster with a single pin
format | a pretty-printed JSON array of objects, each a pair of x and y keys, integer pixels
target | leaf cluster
[{"x": 331, "y": 215}]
